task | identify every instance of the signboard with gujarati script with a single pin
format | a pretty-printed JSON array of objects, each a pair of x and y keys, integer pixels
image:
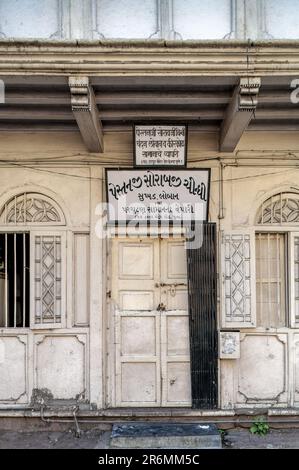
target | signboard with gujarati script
[
  {"x": 157, "y": 195},
  {"x": 160, "y": 145}
]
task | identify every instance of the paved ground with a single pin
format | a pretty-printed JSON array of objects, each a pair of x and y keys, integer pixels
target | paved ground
[
  {"x": 98, "y": 439},
  {"x": 93, "y": 439},
  {"x": 275, "y": 439}
]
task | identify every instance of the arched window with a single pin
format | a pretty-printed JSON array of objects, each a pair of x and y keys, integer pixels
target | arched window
[
  {"x": 32, "y": 262},
  {"x": 31, "y": 208},
  {"x": 281, "y": 209}
]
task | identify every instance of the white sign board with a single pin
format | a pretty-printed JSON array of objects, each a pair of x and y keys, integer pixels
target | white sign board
[
  {"x": 157, "y": 195},
  {"x": 160, "y": 146}
]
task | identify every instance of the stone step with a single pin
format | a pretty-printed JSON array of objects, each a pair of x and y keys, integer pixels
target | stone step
[{"x": 165, "y": 436}]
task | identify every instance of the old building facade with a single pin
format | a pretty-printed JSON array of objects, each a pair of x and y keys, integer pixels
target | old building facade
[{"x": 79, "y": 319}]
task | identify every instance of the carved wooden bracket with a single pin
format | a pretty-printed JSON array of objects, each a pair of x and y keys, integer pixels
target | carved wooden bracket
[
  {"x": 239, "y": 113},
  {"x": 86, "y": 113}
]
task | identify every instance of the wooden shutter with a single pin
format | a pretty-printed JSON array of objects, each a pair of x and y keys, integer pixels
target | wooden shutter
[
  {"x": 48, "y": 277},
  {"x": 294, "y": 278},
  {"x": 202, "y": 290},
  {"x": 238, "y": 302}
]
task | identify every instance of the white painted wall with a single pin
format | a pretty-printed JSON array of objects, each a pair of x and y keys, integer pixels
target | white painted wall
[{"x": 74, "y": 361}]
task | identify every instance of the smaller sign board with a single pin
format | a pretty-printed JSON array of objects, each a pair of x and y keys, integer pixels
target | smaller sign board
[
  {"x": 161, "y": 146},
  {"x": 229, "y": 344}
]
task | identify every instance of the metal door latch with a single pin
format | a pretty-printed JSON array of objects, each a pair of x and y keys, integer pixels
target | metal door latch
[
  {"x": 161, "y": 307},
  {"x": 172, "y": 286}
]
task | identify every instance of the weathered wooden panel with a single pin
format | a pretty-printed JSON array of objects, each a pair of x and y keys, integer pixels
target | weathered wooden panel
[
  {"x": 139, "y": 383},
  {"x": 238, "y": 277},
  {"x": 176, "y": 260},
  {"x": 174, "y": 293},
  {"x": 175, "y": 359},
  {"x": 136, "y": 260},
  {"x": 48, "y": 279},
  {"x": 13, "y": 369},
  {"x": 137, "y": 358},
  {"x": 138, "y": 336},
  {"x": 177, "y": 335},
  {"x": 296, "y": 368},
  {"x": 81, "y": 278},
  {"x": 178, "y": 385},
  {"x": 138, "y": 300},
  {"x": 60, "y": 365}
]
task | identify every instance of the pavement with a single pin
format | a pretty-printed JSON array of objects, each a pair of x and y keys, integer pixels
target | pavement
[{"x": 236, "y": 438}]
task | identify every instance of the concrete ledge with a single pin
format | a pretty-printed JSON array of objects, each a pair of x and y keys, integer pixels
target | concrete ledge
[
  {"x": 165, "y": 414},
  {"x": 283, "y": 412},
  {"x": 158, "y": 413}
]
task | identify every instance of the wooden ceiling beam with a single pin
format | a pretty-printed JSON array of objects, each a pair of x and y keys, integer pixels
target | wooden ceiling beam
[
  {"x": 22, "y": 113},
  {"x": 239, "y": 113},
  {"x": 61, "y": 98},
  {"x": 86, "y": 113}
]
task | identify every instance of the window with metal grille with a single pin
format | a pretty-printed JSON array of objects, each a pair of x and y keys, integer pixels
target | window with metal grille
[
  {"x": 271, "y": 279},
  {"x": 14, "y": 280}
]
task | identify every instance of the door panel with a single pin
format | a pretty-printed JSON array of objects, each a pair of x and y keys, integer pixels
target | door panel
[
  {"x": 136, "y": 260},
  {"x": 139, "y": 384},
  {"x": 178, "y": 391},
  {"x": 135, "y": 268},
  {"x": 137, "y": 337},
  {"x": 174, "y": 291},
  {"x": 141, "y": 300},
  {"x": 175, "y": 359}
]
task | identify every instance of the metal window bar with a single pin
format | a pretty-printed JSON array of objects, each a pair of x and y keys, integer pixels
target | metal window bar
[
  {"x": 296, "y": 277},
  {"x": 41, "y": 247},
  {"x": 271, "y": 302},
  {"x": 15, "y": 278},
  {"x": 55, "y": 277},
  {"x": 24, "y": 281},
  {"x": 278, "y": 289},
  {"x": 269, "y": 281},
  {"x": 6, "y": 284}
]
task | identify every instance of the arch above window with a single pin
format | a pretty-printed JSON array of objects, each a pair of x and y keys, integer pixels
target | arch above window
[
  {"x": 280, "y": 209},
  {"x": 31, "y": 208}
]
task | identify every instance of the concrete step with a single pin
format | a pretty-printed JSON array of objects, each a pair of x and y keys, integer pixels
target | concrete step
[{"x": 165, "y": 436}]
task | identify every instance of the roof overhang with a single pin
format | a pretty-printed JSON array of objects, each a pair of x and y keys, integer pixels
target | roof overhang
[{"x": 200, "y": 83}]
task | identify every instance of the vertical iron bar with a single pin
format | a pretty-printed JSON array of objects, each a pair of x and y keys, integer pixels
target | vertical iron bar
[
  {"x": 15, "y": 280},
  {"x": 203, "y": 320},
  {"x": 15, "y": 209},
  {"x": 268, "y": 278},
  {"x": 24, "y": 281},
  {"x": 55, "y": 277},
  {"x": 41, "y": 239},
  {"x": 6, "y": 283}
]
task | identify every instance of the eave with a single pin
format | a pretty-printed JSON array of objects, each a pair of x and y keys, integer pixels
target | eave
[{"x": 190, "y": 81}]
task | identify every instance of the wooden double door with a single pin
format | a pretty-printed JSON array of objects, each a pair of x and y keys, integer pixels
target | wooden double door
[{"x": 149, "y": 300}]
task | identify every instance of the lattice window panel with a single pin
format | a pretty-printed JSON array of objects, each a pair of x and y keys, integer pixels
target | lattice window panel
[
  {"x": 296, "y": 279},
  {"x": 238, "y": 274},
  {"x": 48, "y": 279},
  {"x": 31, "y": 208},
  {"x": 283, "y": 208}
]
